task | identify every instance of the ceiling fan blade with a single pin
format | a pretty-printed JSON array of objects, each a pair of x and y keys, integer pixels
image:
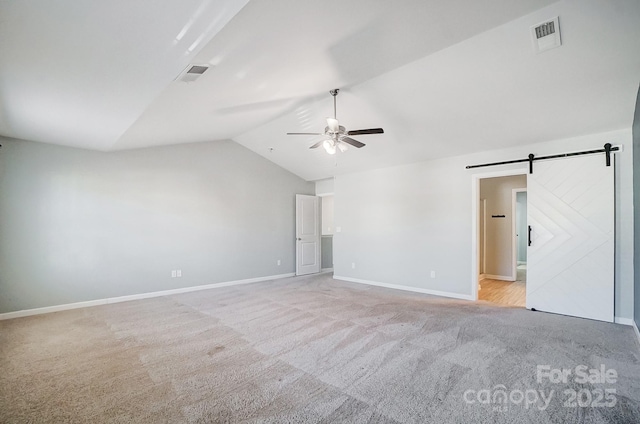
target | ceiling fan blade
[
  {"x": 333, "y": 125},
  {"x": 354, "y": 143},
  {"x": 369, "y": 131},
  {"x": 305, "y": 134},
  {"x": 318, "y": 144}
]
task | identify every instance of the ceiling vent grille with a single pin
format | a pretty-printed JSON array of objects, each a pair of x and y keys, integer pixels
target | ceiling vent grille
[
  {"x": 192, "y": 73},
  {"x": 546, "y": 35},
  {"x": 542, "y": 30}
]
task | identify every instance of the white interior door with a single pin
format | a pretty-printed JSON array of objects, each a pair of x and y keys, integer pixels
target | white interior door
[
  {"x": 570, "y": 261},
  {"x": 307, "y": 234}
]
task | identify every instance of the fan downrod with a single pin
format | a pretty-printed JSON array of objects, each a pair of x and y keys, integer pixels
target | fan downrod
[{"x": 334, "y": 93}]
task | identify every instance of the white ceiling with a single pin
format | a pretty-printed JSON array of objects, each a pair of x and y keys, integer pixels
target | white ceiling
[
  {"x": 442, "y": 78},
  {"x": 80, "y": 73}
]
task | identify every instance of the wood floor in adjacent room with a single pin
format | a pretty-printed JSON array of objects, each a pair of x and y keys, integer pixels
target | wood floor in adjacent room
[
  {"x": 508, "y": 293},
  {"x": 305, "y": 350}
]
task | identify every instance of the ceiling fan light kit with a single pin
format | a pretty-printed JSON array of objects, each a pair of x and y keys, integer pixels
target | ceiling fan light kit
[
  {"x": 336, "y": 136},
  {"x": 329, "y": 146}
]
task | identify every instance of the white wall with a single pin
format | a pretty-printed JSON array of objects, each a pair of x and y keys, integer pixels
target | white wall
[
  {"x": 499, "y": 244},
  {"x": 400, "y": 223},
  {"x": 79, "y": 225},
  {"x": 327, "y": 215},
  {"x": 324, "y": 187}
]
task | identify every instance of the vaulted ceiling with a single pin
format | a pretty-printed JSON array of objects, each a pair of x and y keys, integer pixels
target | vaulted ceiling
[{"x": 441, "y": 77}]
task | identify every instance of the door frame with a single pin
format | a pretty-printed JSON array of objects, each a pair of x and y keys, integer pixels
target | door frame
[
  {"x": 475, "y": 220},
  {"x": 483, "y": 225},
  {"x": 514, "y": 230},
  {"x": 322, "y": 196}
]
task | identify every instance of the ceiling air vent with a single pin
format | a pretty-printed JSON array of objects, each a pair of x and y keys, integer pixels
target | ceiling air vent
[
  {"x": 192, "y": 73},
  {"x": 546, "y": 35}
]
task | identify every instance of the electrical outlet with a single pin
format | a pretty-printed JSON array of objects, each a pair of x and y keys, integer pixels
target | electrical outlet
[
  {"x": 178, "y": 273},
  {"x": 433, "y": 274},
  {"x": 278, "y": 262},
  {"x": 353, "y": 265},
  {"x": 174, "y": 273}
]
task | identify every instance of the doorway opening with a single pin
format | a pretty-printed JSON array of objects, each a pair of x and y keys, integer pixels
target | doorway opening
[
  {"x": 326, "y": 234},
  {"x": 501, "y": 238}
]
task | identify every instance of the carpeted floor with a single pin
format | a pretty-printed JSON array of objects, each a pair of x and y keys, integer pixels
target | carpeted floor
[{"x": 312, "y": 349}]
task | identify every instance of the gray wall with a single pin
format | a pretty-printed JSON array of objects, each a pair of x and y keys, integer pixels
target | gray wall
[
  {"x": 327, "y": 252},
  {"x": 636, "y": 206},
  {"x": 498, "y": 194},
  {"x": 78, "y": 225},
  {"x": 400, "y": 223}
]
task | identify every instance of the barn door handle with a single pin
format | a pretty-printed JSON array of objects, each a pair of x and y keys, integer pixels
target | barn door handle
[
  {"x": 298, "y": 239},
  {"x": 529, "y": 234}
]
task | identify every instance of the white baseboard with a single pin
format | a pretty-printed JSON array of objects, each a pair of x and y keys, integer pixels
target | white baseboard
[
  {"x": 65, "y": 307},
  {"x": 49, "y": 309},
  {"x": 497, "y": 277},
  {"x": 405, "y": 288}
]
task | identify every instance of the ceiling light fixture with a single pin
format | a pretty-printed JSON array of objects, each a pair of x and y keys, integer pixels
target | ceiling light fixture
[{"x": 329, "y": 146}]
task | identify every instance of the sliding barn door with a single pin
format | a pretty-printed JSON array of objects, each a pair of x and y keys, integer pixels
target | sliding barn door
[
  {"x": 570, "y": 211},
  {"x": 307, "y": 234}
]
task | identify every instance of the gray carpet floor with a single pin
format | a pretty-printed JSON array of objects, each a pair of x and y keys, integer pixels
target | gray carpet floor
[{"x": 312, "y": 350}]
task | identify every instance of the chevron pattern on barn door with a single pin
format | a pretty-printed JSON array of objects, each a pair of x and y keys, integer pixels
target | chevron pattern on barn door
[{"x": 570, "y": 263}]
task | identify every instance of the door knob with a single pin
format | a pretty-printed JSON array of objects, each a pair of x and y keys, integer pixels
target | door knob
[{"x": 298, "y": 239}]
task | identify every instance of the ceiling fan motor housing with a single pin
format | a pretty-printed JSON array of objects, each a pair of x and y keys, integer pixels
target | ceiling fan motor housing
[{"x": 341, "y": 131}]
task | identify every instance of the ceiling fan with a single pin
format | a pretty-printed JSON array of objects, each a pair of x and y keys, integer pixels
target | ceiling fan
[{"x": 336, "y": 136}]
